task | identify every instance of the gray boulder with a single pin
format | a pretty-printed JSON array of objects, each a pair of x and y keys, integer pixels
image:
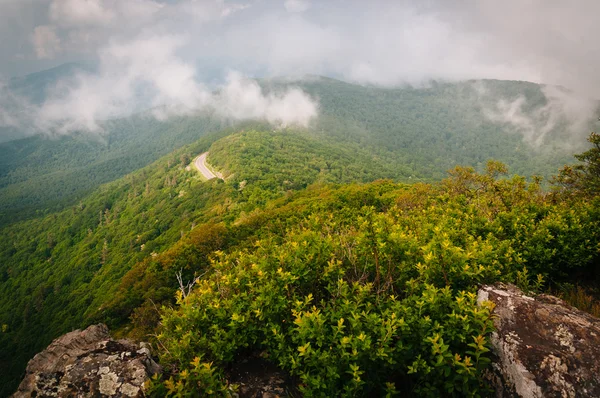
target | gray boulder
[
  {"x": 88, "y": 363},
  {"x": 544, "y": 347}
]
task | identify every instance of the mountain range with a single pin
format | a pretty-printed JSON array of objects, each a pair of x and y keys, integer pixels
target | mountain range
[{"x": 100, "y": 228}]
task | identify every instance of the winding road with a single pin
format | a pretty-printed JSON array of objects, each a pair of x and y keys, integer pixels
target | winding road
[{"x": 200, "y": 164}]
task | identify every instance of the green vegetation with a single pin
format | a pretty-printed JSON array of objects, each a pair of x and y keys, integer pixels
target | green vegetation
[
  {"x": 332, "y": 252},
  {"x": 264, "y": 165},
  {"x": 327, "y": 281},
  {"x": 40, "y": 175},
  {"x": 433, "y": 129},
  {"x": 583, "y": 178},
  {"x": 410, "y": 132},
  {"x": 69, "y": 268},
  {"x": 378, "y": 280}
]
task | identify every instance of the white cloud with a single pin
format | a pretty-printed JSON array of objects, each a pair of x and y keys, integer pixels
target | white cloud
[
  {"x": 148, "y": 63},
  {"x": 381, "y": 42},
  {"x": 205, "y": 11},
  {"x": 7, "y": 115},
  {"x": 151, "y": 66},
  {"x": 81, "y": 12},
  {"x": 296, "y": 5},
  {"x": 15, "y": 111},
  {"x": 563, "y": 110},
  {"x": 241, "y": 98},
  {"x": 46, "y": 42},
  {"x": 82, "y": 27}
]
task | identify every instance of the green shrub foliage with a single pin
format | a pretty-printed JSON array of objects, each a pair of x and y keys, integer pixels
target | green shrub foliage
[
  {"x": 371, "y": 289},
  {"x": 362, "y": 289}
]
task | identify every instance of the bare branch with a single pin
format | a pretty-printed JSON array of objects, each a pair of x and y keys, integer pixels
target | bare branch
[{"x": 186, "y": 289}]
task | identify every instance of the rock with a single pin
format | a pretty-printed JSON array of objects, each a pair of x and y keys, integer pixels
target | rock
[
  {"x": 544, "y": 347},
  {"x": 88, "y": 363}
]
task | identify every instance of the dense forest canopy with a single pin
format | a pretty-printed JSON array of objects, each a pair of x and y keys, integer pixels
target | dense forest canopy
[
  {"x": 39, "y": 175},
  {"x": 114, "y": 257},
  {"x": 421, "y": 132}
]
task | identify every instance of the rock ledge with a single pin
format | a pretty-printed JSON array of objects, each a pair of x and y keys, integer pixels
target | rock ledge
[
  {"x": 88, "y": 363},
  {"x": 544, "y": 347}
]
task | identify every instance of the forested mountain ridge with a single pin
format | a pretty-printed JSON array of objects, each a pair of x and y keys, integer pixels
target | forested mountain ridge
[
  {"x": 435, "y": 128},
  {"x": 112, "y": 253},
  {"x": 40, "y": 174},
  {"x": 425, "y": 131}
]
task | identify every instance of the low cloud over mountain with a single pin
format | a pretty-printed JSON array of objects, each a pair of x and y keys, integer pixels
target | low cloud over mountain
[{"x": 179, "y": 51}]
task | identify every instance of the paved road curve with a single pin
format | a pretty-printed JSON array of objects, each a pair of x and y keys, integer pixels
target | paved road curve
[{"x": 200, "y": 164}]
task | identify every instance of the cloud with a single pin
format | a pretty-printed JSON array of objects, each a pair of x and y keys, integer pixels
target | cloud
[
  {"x": 86, "y": 26},
  {"x": 142, "y": 68},
  {"x": 206, "y": 11},
  {"x": 80, "y": 12},
  {"x": 554, "y": 40},
  {"x": 46, "y": 41},
  {"x": 148, "y": 70},
  {"x": 7, "y": 115},
  {"x": 15, "y": 111},
  {"x": 241, "y": 98},
  {"x": 381, "y": 42},
  {"x": 296, "y": 5},
  {"x": 386, "y": 43},
  {"x": 560, "y": 111}
]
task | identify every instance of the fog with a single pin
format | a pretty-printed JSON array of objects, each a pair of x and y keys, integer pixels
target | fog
[
  {"x": 148, "y": 70},
  {"x": 191, "y": 55}
]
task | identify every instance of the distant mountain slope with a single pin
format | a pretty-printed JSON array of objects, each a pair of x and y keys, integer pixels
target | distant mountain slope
[
  {"x": 30, "y": 90},
  {"x": 35, "y": 86},
  {"x": 44, "y": 174},
  {"x": 434, "y": 128},
  {"x": 420, "y": 132},
  {"x": 279, "y": 161}
]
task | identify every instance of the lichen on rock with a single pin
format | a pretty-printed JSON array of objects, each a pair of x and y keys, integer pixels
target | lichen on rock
[
  {"x": 543, "y": 346},
  {"x": 89, "y": 363}
]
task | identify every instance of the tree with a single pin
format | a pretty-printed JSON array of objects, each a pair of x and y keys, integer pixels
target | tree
[{"x": 584, "y": 177}]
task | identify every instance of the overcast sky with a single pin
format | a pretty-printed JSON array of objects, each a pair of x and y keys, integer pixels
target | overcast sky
[
  {"x": 177, "y": 47},
  {"x": 384, "y": 42}
]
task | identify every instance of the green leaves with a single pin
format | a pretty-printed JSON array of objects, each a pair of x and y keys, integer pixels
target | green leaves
[{"x": 343, "y": 290}]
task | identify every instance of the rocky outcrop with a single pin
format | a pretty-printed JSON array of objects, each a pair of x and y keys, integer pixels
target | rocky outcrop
[
  {"x": 544, "y": 347},
  {"x": 88, "y": 363}
]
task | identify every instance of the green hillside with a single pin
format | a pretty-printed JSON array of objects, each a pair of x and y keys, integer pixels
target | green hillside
[
  {"x": 345, "y": 267},
  {"x": 58, "y": 271},
  {"x": 332, "y": 251},
  {"x": 370, "y": 290},
  {"x": 39, "y": 175},
  {"x": 420, "y": 132},
  {"x": 432, "y": 129}
]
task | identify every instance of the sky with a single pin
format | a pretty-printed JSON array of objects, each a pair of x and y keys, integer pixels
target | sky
[{"x": 181, "y": 49}]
